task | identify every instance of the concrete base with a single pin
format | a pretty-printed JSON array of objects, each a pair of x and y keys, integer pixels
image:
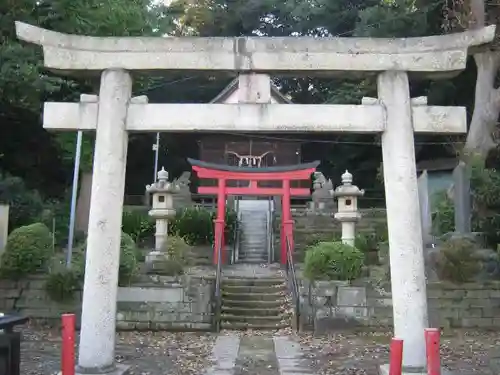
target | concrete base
[
  {"x": 120, "y": 369},
  {"x": 154, "y": 260},
  {"x": 384, "y": 370}
]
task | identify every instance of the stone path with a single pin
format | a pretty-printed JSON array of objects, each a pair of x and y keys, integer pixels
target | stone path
[
  {"x": 224, "y": 355},
  {"x": 256, "y": 356},
  {"x": 291, "y": 360},
  {"x": 260, "y": 353}
]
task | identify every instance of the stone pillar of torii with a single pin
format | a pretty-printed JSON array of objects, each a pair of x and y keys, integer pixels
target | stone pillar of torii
[{"x": 114, "y": 114}]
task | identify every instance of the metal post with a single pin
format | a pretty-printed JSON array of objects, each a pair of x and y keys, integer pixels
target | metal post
[
  {"x": 156, "y": 148},
  {"x": 76, "y": 172}
]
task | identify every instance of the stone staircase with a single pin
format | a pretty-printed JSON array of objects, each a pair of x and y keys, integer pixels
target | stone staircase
[
  {"x": 254, "y": 303},
  {"x": 253, "y": 241}
]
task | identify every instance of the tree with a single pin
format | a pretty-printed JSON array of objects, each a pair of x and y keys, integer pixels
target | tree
[
  {"x": 25, "y": 84},
  {"x": 473, "y": 14}
]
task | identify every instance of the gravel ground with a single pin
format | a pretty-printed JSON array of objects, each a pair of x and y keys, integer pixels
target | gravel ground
[
  {"x": 149, "y": 353},
  {"x": 464, "y": 352}
]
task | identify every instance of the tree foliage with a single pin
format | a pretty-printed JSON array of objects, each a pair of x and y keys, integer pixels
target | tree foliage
[{"x": 24, "y": 84}]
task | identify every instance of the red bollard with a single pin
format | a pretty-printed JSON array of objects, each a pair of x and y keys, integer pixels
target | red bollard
[
  {"x": 432, "y": 336},
  {"x": 396, "y": 357},
  {"x": 68, "y": 344}
]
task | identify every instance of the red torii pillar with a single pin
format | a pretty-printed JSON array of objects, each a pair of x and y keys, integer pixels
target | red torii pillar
[{"x": 224, "y": 173}]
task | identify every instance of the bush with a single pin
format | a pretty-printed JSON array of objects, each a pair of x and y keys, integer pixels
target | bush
[
  {"x": 177, "y": 257},
  {"x": 366, "y": 242},
  {"x": 177, "y": 248},
  {"x": 137, "y": 224},
  {"x": 333, "y": 261},
  {"x": 62, "y": 285},
  {"x": 25, "y": 205},
  {"x": 196, "y": 225},
  {"x": 193, "y": 224},
  {"x": 455, "y": 261},
  {"x": 28, "y": 250},
  {"x": 315, "y": 238},
  {"x": 443, "y": 216},
  {"x": 128, "y": 260}
]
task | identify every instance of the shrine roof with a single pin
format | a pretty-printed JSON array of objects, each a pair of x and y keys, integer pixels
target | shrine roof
[{"x": 233, "y": 86}]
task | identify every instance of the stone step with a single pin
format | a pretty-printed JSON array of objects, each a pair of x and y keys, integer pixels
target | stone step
[
  {"x": 246, "y": 281},
  {"x": 252, "y": 261},
  {"x": 254, "y": 319},
  {"x": 252, "y": 251},
  {"x": 238, "y": 326},
  {"x": 253, "y": 296},
  {"x": 254, "y": 288},
  {"x": 253, "y": 255},
  {"x": 257, "y": 304},
  {"x": 253, "y": 311}
]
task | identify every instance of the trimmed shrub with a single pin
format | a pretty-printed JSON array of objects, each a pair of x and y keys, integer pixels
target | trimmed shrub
[
  {"x": 196, "y": 225},
  {"x": 455, "y": 261},
  {"x": 62, "y": 285},
  {"x": 28, "y": 250},
  {"x": 333, "y": 261}
]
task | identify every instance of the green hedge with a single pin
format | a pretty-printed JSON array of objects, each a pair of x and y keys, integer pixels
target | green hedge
[
  {"x": 333, "y": 261},
  {"x": 28, "y": 250},
  {"x": 196, "y": 225}
]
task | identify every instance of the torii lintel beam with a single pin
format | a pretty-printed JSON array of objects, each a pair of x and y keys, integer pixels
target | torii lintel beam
[
  {"x": 254, "y": 118},
  {"x": 306, "y": 55}
]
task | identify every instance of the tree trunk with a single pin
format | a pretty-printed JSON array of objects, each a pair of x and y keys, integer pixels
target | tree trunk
[{"x": 486, "y": 105}]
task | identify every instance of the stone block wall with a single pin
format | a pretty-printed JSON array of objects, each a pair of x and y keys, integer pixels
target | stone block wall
[
  {"x": 312, "y": 226},
  {"x": 169, "y": 304},
  {"x": 339, "y": 305},
  {"x": 28, "y": 297},
  {"x": 161, "y": 303}
]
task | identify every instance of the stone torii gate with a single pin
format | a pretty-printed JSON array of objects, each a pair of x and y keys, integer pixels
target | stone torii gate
[{"x": 113, "y": 115}]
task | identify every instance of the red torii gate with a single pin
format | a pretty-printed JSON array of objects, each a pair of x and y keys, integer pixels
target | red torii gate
[{"x": 224, "y": 173}]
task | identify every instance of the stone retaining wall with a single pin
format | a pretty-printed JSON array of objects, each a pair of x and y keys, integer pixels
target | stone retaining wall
[
  {"x": 313, "y": 226},
  {"x": 161, "y": 303},
  {"x": 338, "y": 305}
]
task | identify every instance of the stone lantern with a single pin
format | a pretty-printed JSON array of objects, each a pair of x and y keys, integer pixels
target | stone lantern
[
  {"x": 347, "y": 195},
  {"x": 162, "y": 210}
]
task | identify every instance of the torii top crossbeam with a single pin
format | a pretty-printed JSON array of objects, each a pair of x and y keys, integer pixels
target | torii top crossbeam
[{"x": 296, "y": 55}]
